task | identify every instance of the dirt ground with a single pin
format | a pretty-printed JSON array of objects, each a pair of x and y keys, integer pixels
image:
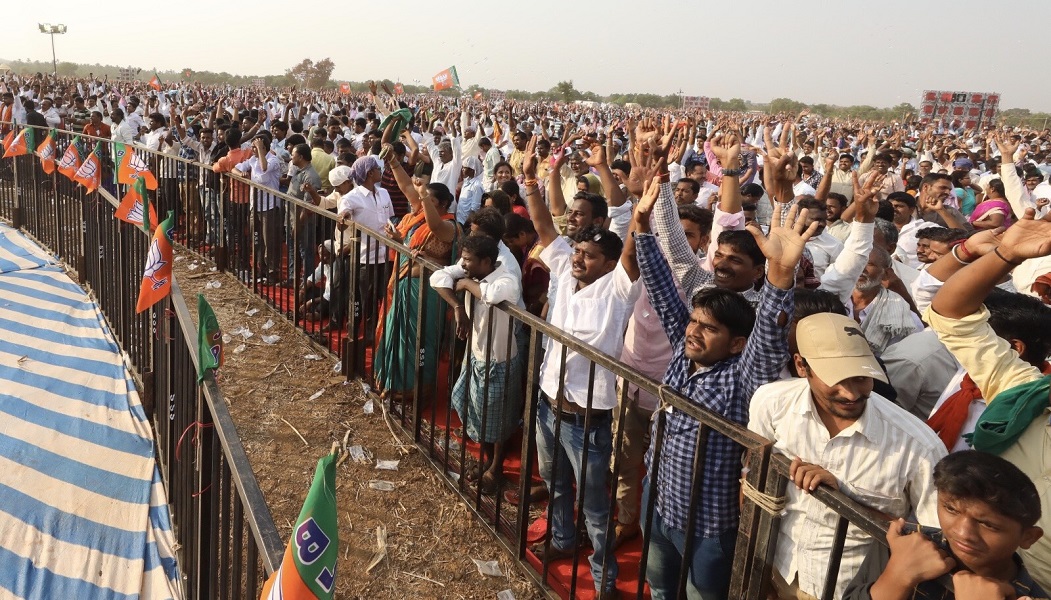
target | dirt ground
[{"x": 431, "y": 537}]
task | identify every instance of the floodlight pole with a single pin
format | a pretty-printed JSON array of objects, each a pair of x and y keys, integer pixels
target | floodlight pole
[{"x": 52, "y": 30}]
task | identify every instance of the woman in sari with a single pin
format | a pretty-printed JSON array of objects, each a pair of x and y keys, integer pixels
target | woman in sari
[
  {"x": 429, "y": 230},
  {"x": 994, "y": 211}
]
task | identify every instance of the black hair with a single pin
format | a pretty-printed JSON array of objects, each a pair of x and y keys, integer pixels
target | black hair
[
  {"x": 806, "y": 159},
  {"x": 886, "y": 211},
  {"x": 302, "y": 150},
  {"x": 295, "y": 139},
  {"x": 932, "y": 177},
  {"x": 1024, "y": 318},
  {"x": 279, "y": 125},
  {"x": 515, "y": 225},
  {"x": 941, "y": 234},
  {"x": 810, "y": 202},
  {"x": 232, "y": 137},
  {"x": 905, "y": 198},
  {"x": 974, "y": 475},
  {"x": 347, "y": 158},
  {"x": 752, "y": 190},
  {"x": 441, "y": 194},
  {"x": 599, "y": 208},
  {"x": 623, "y": 165},
  {"x": 912, "y": 182},
  {"x": 503, "y": 163},
  {"x": 884, "y": 156},
  {"x": 701, "y": 216},
  {"x": 484, "y": 141},
  {"x": 327, "y": 146},
  {"x": 997, "y": 185},
  {"x": 510, "y": 187},
  {"x": 501, "y": 201},
  {"x": 843, "y": 202},
  {"x": 608, "y": 242},
  {"x": 481, "y": 246},
  {"x": 694, "y": 185},
  {"x": 728, "y": 308},
  {"x": 360, "y": 122},
  {"x": 811, "y": 302},
  {"x": 489, "y": 221},
  {"x": 743, "y": 242}
]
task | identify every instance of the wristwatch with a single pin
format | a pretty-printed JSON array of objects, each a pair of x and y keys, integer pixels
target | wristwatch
[{"x": 732, "y": 172}]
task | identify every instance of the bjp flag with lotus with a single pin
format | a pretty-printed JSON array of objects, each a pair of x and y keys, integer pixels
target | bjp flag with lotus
[
  {"x": 47, "y": 152},
  {"x": 70, "y": 163},
  {"x": 19, "y": 144},
  {"x": 135, "y": 208},
  {"x": 131, "y": 166},
  {"x": 446, "y": 79},
  {"x": 157, "y": 276},
  {"x": 89, "y": 174}
]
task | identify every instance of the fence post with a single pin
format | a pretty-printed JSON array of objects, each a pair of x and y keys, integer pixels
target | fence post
[{"x": 16, "y": 213}]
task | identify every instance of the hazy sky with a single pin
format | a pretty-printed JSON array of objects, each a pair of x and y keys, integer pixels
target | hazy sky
[{"x": 837, "y": 52}]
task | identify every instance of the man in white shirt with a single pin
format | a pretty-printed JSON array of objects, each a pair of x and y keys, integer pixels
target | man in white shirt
[
  {"x": 908, "y": 224},
  {"x": 123, "y": 132},
  {"x": 446, "y": 160},
  {"x": 492, "y": 158},
  {"x": 488, "y": 393},
  {"x": 51, "y": 115},
  {"x": 592, "y": 292},
  {"x": 840, "y": 433}
]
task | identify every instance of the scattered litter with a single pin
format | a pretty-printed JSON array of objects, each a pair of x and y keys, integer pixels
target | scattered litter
[
  {"x": 192, "y": 267},
  {"x": 312, "y": 357},
  {"x": 490, "y": 568},
  {"x": 22, "y": 359},
  {"x": 454, "y": 476},
  {"x": 240, "y": 349},
  {"x": 271, "y": 339},
  {"x": 369, "y": 407},
  {"x": 336, "y": 368},
  {"x": 227, "y": 338},
  {"x": 247, "y": 333},
  {"x": 382, "y": 486},
  {"x": 505, "y": 595},
  {"x": 251, "y": 312},
  {"x": 213, "y": 285},
  {"x": 454, "y": 445},
  {"x": 178, "y": 258},
  {"x": 214, "y": 269},
  {"x": 387, "y": 465},
  {"x": 365, "y": 388},
  {"x": 381, "y": 547},
  {"x": 269, "y": 323},
  {"x": 360, "y": 455},
  {"x": 316, "y": 395}
]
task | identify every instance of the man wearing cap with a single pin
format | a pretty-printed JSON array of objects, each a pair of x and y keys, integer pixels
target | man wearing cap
[
  {"x": 840, "y": 433},
  {"x": 471, "y": 189}
]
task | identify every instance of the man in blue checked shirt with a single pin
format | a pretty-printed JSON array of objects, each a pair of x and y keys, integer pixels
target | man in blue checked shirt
[{"x": 723, "y": 351}]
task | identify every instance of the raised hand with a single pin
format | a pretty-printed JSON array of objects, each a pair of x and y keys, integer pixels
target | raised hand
[
  {"x": 783, "y": 246},
  {"x": 1027, "y": 238},
  {"x": 727, "y": 147},
  {"x": 598, "y": 156},
  {"x": 651, "y": 191},
  {"x": 529, "y": 162}
]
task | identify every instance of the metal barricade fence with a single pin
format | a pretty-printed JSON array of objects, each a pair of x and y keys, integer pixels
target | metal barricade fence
[
  {"x": 227, "y": 541},
  {"x": 422, "y": 360}
]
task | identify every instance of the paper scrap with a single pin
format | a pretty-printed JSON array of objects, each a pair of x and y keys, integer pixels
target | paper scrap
[
  {"x": 269, "y": 323},
  {"x": 490, "y": 568},
  {"x": 251, "y": 312},
  {"x": 369, "y": 407},
  {"x": 240, "y": 349},
  {"x": 214, "y": 285},
  {"x": 382, "y": 486},
  {"x": 311, "y": 357},
  {"x": 387, "y": 465},
  {"x": 271, "y": 339},
  {"x": 505, "y": 595},
  {"x": 316, "y": 394}
]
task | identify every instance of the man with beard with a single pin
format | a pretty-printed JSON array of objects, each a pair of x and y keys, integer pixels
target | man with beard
[
  {"x": 839, "y": 433},
  {"x": 885, "y": 317}
]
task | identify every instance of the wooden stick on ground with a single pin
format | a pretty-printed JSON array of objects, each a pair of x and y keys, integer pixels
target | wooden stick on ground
[{"x": 297, "y": 432}]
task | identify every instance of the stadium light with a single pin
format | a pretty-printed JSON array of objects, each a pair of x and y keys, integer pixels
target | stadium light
[{"x": 48, "y": 28}]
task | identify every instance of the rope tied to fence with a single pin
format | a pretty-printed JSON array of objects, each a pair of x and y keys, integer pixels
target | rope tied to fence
[
  {"x": 773, "y": 505},
  {"x": 662, "y": 394},
  {"x": 196, "y": 426}
]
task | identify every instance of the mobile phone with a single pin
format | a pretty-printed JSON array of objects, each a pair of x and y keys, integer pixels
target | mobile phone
[{"x": 393, "y": 221}]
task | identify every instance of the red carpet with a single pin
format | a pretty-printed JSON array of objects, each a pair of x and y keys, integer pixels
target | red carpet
[{"x": 437, "y": 412}]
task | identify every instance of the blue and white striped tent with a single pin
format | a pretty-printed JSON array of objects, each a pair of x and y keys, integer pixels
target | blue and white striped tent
[{"x": 82, "y": 511}]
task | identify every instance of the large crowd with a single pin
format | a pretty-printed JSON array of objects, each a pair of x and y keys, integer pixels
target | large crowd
[{"x": 873, "y": 297}]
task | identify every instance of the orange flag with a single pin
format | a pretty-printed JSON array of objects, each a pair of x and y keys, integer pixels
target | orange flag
[
  {"x": 47, "y": 152},
  {"x": 344, "y": 88},
  {"x": 130, "y": 167},
  {"x": 157, "y": 276},
  {"x": 399, "y": 88},
  {"x": 20, "y": 145},
  {"x": 70, "y": 163},
  {"x": 155, "y": 83},
  {"x": 133, "y": 207},
  {"x": 10, "y": 137},
  {"x": 445, "y": 79},
  {"x": 89, "y": 174}
]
